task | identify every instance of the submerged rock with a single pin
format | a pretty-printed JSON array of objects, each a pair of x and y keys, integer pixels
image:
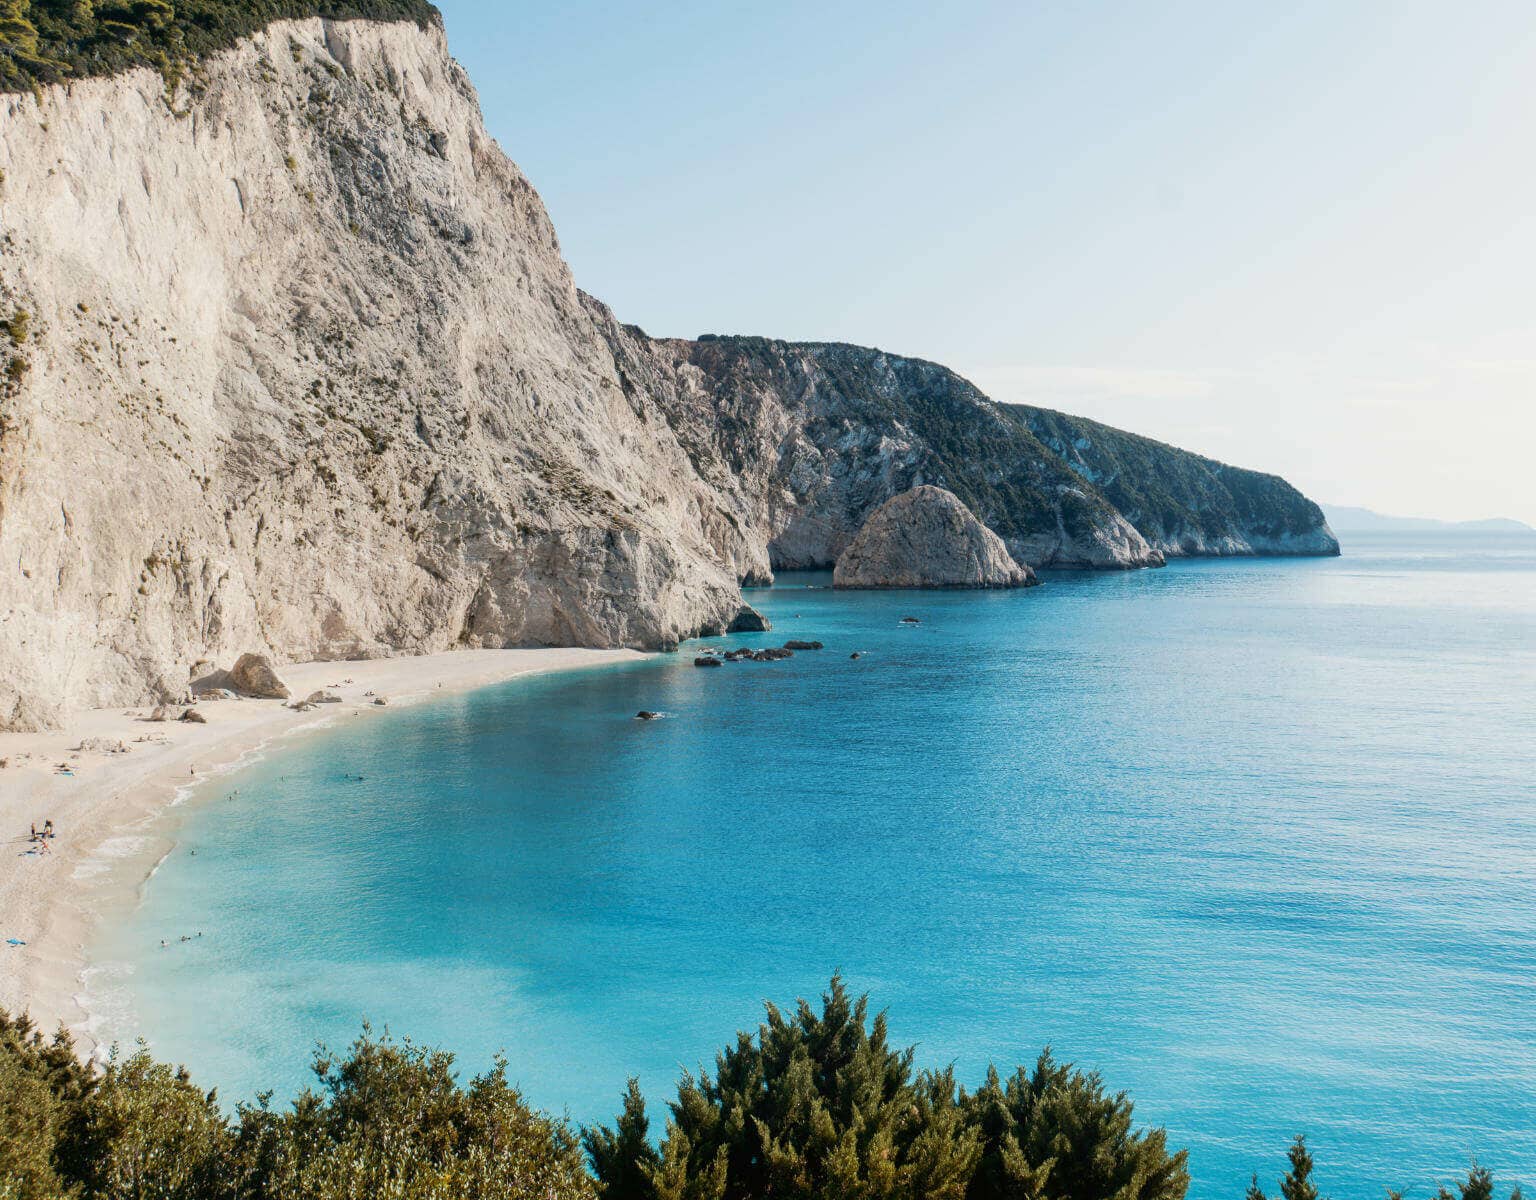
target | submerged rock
[
  {"x": 646, "y": 714},
  {"x": 255, "y": 676},
  {"x": 797, "y": 644},
  {"x": 927, "y": 538},
  {"x": 706, "y": 660}
]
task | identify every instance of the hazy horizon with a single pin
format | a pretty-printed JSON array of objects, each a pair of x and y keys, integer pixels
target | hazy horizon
[{"x": 1293, "y": 239}]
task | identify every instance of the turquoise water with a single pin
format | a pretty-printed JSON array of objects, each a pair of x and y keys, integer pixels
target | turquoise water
[{"x": 1255, "y": 838}]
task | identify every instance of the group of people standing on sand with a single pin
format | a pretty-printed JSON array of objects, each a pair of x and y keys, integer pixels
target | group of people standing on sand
[{"x": 42, "y": 837}]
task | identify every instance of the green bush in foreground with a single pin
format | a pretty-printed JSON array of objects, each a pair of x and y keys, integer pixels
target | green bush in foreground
[
  {"x": 820, "y": 1104},
  {"x": 815, "y": 1105}
]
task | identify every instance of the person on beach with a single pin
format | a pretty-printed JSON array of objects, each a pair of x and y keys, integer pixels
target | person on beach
[
  {"x": 48, "y": 828},
  {"x": 34, "y": 831}
]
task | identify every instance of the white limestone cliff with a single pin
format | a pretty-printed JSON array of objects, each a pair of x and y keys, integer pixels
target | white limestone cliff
[{"x": 305, "y": 372}]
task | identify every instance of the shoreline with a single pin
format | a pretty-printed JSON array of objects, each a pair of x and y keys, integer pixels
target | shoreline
[{"x": 109, "y": 811}]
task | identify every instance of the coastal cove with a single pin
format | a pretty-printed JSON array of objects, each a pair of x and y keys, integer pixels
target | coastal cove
[
  {"x": 113, "y": 811},
  {"x": 1253, "y": 837}
]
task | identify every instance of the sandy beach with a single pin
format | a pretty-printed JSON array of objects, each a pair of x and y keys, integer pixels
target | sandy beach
[{"x": 107, "y": 807}]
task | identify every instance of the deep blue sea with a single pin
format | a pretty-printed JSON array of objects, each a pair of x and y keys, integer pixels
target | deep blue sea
[{"x": 1254, "y": 838}]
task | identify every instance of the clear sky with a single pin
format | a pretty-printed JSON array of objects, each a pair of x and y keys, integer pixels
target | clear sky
[{"x": 1298, "y": 236}]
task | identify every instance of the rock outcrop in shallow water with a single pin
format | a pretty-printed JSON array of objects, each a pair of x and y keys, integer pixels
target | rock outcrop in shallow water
[
  {"x": 293, "y": 364},
  {"x": 926, "y": 538}
]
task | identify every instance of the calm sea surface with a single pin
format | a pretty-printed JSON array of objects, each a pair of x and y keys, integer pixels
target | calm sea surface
[{"x": 1256, "y": 839}]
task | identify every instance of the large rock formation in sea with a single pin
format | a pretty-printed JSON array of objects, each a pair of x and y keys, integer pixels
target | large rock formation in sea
[
  {"x": 927, "y": 538},
  {"x": 290, "y": 363}
]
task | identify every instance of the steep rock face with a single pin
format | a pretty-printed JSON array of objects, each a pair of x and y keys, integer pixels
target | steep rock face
[
  {"x": 303, "y": 371},
  {"x": 1183, "y": 503},
  {"x": 806, "y": 439},
  {"x": 927, "y": 538}
]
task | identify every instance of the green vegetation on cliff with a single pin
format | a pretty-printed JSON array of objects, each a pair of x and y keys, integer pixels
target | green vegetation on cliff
[
  {"x": 815, "y": 1105},
  {"x": 997, "y": 467},
  {"x": 1182, "y": 503},
  {"x": 50, "y": 41},
  {"x": 1060, "y": 490}
]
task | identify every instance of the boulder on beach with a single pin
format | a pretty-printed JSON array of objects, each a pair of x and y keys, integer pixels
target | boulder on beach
[
  {"x": 927, "y": 538},
  {"x": 101, "y": 745},
  {"x": 749, "y": 620},
  {"x": 254, "y": 675},
  {"x": 322, "y": 698},
  {"x": 193, "y": 717}
]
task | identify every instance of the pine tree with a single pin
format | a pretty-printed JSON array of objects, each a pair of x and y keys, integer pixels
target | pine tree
[
  {"x": 1297, "y": 1184},
  {"x": 817, "y": 1104},
  {"x": 1067, "y": 1124},
  {"x": 622, "y": 1157},
  {"x": 1479, "y": 1184},
  {"x": 1003, "y": 1172}
]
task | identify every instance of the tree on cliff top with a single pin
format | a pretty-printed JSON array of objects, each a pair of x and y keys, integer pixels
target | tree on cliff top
[{"x": 49, "y": 41}]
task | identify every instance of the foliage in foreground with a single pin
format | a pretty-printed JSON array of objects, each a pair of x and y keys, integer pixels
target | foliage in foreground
[
  {"x": 815, "y": 1105},
  {"x": 820, "y": 1104},
  {"x": 48, "y": 41},
  {"x": 388, "y": 1119}
]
